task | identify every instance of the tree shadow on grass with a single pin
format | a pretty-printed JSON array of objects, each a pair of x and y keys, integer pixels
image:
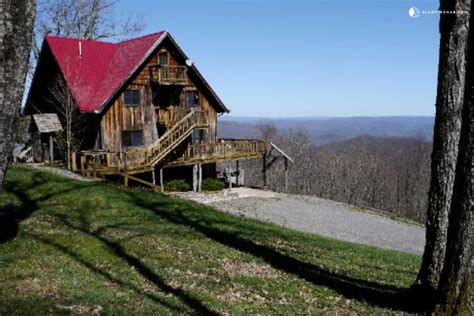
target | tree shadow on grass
[
  {"x": 11, "y": 215},
  {"x": 385, "y": 296},
  {"x": 78, "y": 258},
  {"x": 84, "y": 227},
  {"x": 25, "y": 191}
]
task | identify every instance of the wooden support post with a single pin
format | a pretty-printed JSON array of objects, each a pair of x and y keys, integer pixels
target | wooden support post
[
  {"x": 51, "y": 151},
  {"x": 73, "y": 161},
  {"x": 264, "y": 170},
  {"x": 162, "y": 185},
  {"x": 118, "y": 161},
  {"x": 125, "y": 161},
  {"x": 199, "y": 177},
  {"x": 83, "y": 164},
  {"x": 125, "y": 180},
  {"x": 94, "y": 171},
  {"x": 153, "y": 177},
  {"x": 195, "y": 167},
  {"x": 286, "y": 175},
  {"x": 237, "y": 172},
  {"x": 107, "y": 159}
]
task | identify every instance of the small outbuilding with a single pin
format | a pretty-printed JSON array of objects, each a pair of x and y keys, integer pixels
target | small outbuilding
[{"x": 46, "y": 125}]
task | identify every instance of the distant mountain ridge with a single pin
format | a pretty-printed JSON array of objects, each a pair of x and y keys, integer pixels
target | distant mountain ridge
[{"x": 324, "y": 130}]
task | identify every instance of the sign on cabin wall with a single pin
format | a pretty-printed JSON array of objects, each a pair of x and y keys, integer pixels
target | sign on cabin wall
[{"x": 47, "y": 123}]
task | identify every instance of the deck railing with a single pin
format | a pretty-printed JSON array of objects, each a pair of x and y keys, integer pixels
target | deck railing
[
  {"x": 230, "y": 149},
  {"x": 138, "y": 159},
  {"x": 169, "y": 74},
  {"x": 96, "y": 161}
]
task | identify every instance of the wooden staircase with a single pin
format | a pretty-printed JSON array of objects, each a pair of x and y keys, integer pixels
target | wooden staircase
[
  {"x": 141, "y": 159},
  {"x": 149, "y": 156}
]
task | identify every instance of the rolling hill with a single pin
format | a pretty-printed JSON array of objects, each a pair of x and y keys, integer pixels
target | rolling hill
[{"x": 324, "y": 130}]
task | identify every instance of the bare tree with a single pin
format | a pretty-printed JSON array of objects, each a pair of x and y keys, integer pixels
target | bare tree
[
  {"x": 84, "y": 19},
  {"x": 16, "y": 25},
  {"x": 60, "y": 97},
  {"x": 389, "y": 174}
]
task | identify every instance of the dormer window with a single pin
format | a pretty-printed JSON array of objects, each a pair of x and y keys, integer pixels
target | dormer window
[
  {"x": 163, "y": 58},
  {"x": 131, "y": 98}
]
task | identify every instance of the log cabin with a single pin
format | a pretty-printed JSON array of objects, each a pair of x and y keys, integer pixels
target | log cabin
[{"x": 139, "y": 106}]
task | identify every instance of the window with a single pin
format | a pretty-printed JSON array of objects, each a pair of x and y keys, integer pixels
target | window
[
  {"x": 131, "y": 97},
  {"x": 163, "y": 58},
  {"x": 132, "y": 138},
  {"x": 197, "y": 136},
  {"x": 192, "y": 99}
]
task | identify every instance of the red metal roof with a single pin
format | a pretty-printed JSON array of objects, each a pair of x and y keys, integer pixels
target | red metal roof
[{"x": 95, "y": 75}]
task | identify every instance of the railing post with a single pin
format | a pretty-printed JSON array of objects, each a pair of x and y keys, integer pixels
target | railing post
[
  {"x": 83, "y": 160},
  {"x": 107, "y": 159},
  {"x": 119, "y": 160},
  {"x": 125, "y": 161},
  {"x": 73, "y": 161},
  {"x": 94, "y": 171}
]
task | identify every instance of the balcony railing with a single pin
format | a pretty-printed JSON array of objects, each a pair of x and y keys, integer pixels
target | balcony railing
[
  {"x": 169, "y": 74},
  {"x": 229, "y": 149}
]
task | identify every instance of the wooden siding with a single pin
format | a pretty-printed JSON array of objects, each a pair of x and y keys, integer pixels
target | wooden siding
[{"x": 118, "y": 117}]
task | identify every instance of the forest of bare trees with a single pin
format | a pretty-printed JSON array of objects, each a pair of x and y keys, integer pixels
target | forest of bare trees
[{"x": 389, "y": 174}]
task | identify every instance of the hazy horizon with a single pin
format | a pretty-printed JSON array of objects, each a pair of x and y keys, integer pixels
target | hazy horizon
[{"x": 245, "y": 117}]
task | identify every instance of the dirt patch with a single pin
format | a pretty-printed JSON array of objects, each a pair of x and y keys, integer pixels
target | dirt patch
[
  {"x": 225, "y": 195},
  {"x": 82, "y": 309},
  {"x": 249, "y": 269},
  {"x": 237, "y": 293},
  {"x": 34, "y": 286},
  {"x": 61, "y": 172}
]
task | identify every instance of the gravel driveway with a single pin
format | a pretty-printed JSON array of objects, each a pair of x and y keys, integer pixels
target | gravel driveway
[{"x": 327, "y": 218}]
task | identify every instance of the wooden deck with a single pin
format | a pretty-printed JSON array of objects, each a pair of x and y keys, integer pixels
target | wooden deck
[
  {"x": 102, "y": 162},
  {"x": 224, "y": 150}
]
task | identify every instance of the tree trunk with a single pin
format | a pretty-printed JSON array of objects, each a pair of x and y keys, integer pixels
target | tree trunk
[
  {"x": 456, "y": 286},
  {"x": 16, "y": 25},
  {"x": 449, "y": 103}
]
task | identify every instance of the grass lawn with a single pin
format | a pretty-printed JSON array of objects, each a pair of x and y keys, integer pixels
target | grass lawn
[{"x": 90, "y": 248}]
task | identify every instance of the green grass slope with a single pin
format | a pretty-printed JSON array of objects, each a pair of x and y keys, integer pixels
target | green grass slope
[{"x": 93, "y": 248}]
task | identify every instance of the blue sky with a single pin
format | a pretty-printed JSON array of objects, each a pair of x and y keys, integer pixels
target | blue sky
[{"x": 307, "y": 58}]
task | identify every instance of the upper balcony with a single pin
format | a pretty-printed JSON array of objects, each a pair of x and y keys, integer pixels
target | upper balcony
[{"x": 169, "y": 74}]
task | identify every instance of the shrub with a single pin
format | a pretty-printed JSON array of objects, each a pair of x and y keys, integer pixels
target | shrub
[
  {"x": 212, "y": 185},
  {"x": 177, "y": 186}
]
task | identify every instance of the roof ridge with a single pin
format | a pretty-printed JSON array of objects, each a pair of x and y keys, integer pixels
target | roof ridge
[
  {"x": 79, "y": 39},
  {"x": 143, "y": 36},
  {"x": 106, "y": 42}
]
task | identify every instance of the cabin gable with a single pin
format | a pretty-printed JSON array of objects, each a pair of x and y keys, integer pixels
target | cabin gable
[{"x": 160, "y": 104}]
